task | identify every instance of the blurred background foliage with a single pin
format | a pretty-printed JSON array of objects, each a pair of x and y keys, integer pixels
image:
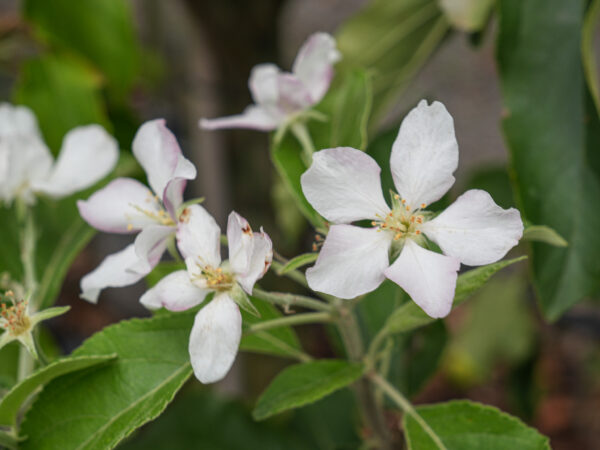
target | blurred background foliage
[{"x": 519, "y": 78}]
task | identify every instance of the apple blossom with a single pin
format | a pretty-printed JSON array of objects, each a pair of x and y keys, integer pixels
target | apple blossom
[
  {"x": 343, "y": 185},
  {"x": 281, "y": 97},
  {"x": 27, "y": 167},
  {"x": 217, "y": 328},
  {"x": 127, "y": 206}
]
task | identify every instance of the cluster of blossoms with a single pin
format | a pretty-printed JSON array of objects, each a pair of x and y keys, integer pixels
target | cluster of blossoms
[{"x": 342, "y": 184}]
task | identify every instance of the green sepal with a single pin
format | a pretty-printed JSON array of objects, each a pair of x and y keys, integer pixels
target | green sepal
[{"x": 239, "y": 296}]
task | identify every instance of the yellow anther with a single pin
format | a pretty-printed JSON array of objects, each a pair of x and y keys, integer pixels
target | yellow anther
[
  {"x": 412, "y": 219},
  {"x": 398, "y": 236},
  {"x": 396, "y": 196},
  {"x": 420, "y": 219},
  {"x": 129, "y": 227},
  {"x": 373, "y": 223},
  {"x": 418, "y": 232},
  {"x": 403, "y": 201},
  {"x": 408, "y": 207},
  {"x": 423, "y": 205}
]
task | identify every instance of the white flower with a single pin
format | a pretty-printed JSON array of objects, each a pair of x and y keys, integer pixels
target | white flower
[
  {"x": 127, "y": 206},
  {"x": 280, "y": 97},
  {"x": 343, "y": 185},
  {"x": 27, "y": 168},
  {"x": 217, "y": 328}
]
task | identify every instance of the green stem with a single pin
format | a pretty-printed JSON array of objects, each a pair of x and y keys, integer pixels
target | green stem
[
  {"x": 371, "y": 411},
  {"x": 406, "y": 406},
  {"x": 294, "y": 275},
  {"x": 28, "y": 240},
  {"x": 287, "y": 300},
  {"x": 301, "y": 132},
  {"x": 296, "y": 319}
]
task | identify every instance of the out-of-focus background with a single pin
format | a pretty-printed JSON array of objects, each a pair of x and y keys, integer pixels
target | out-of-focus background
[{"x": 120, "y": 63}]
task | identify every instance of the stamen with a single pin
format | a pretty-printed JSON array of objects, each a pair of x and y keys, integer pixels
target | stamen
[
  {"x": 129, "y": 227},
  {"x": 423, "y": 205}
]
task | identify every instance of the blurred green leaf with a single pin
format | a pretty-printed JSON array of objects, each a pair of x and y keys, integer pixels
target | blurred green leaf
[
  {"x": 409, "y": 316},
  {"x": 542, "y": 233},
  {"x": 63, "y": 93},
  {"x": 553, "y": 132},
  {"x": 9, "y": 362},
  {"x": 496, "y": 182},
  {"x": 467, "y": 15},
  {"x": 482, "y": 340},
  {"x": 98, "y": 407},
  {"x": 302, "y": 384},
  {"x": 100, "y": 31},
  {"x": 588, "y": 56},
  {"x": 393, "y": 40},
  {"x": 203, "y": 419},
  {"x": 465, "y": 425},
  {"x": 12, "y": 401},
  {"x": 9, "y": 441},
  {"x": 376, "y": 307},
  {"x": 281, "y": 341}
]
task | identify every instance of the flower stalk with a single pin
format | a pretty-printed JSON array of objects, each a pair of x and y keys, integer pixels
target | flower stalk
[
  {"x": 296, "y": 319},
  {"x": 289, "y": 300}
]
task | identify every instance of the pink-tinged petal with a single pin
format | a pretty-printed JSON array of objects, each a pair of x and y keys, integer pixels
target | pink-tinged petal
[
  {"x": 199, "y": 236},
  {"x": 343, "y": 184},
  {"x": 293, "y": 96},
  {"x": 87, "y": 155},
  {"x": 314, "y": 64},
  {"x": 113, "y": 271},
  {"x": 253, "y": 117},
  {"x": 173, "y": 196},
  {"x": 147, "y": 242},
  {"x": 428, "y": 277},
  {"x": 263, "y": 84},
  {"x": 123, "y": 206},
  {"x": 240, "y": 242},
  {"x": 351, "y": 262},
  {"x": 475, "y": 230},
  {"x": 158, "y": 152},
  {"x": 175, "y": 292},
  {"x": 215, "y": 339},
  {"x": 260, "y": 261},
  {"x": 425, "y": 154}
]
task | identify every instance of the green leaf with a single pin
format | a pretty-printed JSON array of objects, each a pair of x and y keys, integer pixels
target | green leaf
[
  {"x": 467, "y": 15},
  {"x": 297, "y": 262},
  {"x": 63, "y": 93},
  {"x": 392, "y": 40},
  {"x": 281, "y": 341},
  {"x": 465, "y": 425},
  {"x": 98, "y": 407},
  {"x": 100, "y": 31},
  {"x": 542, "y": 233},
  {"x": 587, "y": 50},
  {"x": 8, "y": 440},
  {"x": 553, "y": 132},
  {"x": 409, "y": 316},
  {"x": 302, "y": 384},
  {"x": 12, "y": 401}
]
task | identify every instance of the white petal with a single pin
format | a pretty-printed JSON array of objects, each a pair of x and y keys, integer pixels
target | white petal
[
  {"x": 351, "y": 262},
  {"x": 314, "y": 64},
  {"x": 199, "y": 236},
  {"x": 159, "y": 154},
  {"x": 428, "y": 277},
  {"x": 113, "y": 271},
  {"x": 174, "y": 292},
  {"x": 260, "y": 261},
  {"x": 475, "y": 230},
  {"x": 23, "y": 154},
  {"x": 87, "y": 155},
  {"x": 240, "y": 242},
  {"x": 215, "y": 339},
  {"x": 425, "y": 154},
  {"x": 119, "y": 207},
  {"x": 263, "y": 84},
  {"x": 147, "y": 241},
  {"x": 253, "y": 117},
  {"x": 293, "y": 95},
  {"x": 343, "y": 184}
]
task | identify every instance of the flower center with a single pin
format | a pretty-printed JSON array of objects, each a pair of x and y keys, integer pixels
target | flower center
[
  {"x": 14, "y": 319},
  {"x": 158, "y": 215},
  {"x": 402, "y": 220},
  {"x": 216, "y": 279}
]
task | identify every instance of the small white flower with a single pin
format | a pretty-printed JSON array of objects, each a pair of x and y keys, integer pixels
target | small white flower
[
  {"x": 27, "y": 168},
  {"x": 127, "y": 206},
  {"x": 281, "y": 97},
  {"x": 217, "y": 329},
  {"x": 344, "y": 186}
]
